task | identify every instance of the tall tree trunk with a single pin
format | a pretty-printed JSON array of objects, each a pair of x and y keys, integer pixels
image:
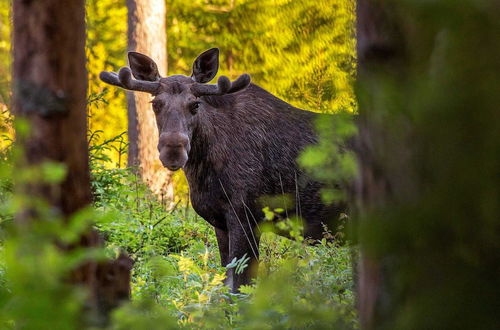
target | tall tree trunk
[
  {"x": 50, "y": 86},
  {"x": 147, "y": 35},
  {"x": 50, "y": 92}
]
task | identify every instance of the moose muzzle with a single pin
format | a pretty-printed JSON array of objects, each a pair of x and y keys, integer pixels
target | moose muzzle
[{"x": 174, "y": 150}]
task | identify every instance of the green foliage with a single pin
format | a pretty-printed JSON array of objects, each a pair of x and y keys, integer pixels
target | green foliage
[
  {"x": 34, "y": 269},
  {"x": 142, "y": 314},
  {"x": 302, "y": 287},
  {"x": 304, "y": 52},
  {"x": 332, "y": 160}
]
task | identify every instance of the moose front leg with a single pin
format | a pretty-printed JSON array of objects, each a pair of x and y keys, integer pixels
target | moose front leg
[
  {"x": 243, "y": 240},
  {"x": 223, "y": 243}
]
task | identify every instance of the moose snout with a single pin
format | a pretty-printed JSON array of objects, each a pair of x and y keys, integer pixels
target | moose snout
[{"x": 174, "y": 149}]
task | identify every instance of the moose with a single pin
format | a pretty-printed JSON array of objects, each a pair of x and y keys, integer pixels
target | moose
[{"x": 236, "y": 143}]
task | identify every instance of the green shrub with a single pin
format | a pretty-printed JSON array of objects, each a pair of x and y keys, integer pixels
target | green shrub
[{"x": 177, "y": 269}]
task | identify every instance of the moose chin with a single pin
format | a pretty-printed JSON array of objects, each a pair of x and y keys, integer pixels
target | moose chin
[{"x": 236, "y": 143}]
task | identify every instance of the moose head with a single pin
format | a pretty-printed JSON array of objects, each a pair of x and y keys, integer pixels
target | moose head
[{"x": 178, "y": 102}]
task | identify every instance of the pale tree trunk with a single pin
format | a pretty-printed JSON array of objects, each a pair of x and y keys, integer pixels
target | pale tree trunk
[
  {"x": 50, "y": 93},
  {"x": 147, "y": 35}
]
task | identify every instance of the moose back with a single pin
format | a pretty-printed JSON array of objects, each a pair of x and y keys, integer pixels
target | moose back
[{"x": 236, "y": 143}]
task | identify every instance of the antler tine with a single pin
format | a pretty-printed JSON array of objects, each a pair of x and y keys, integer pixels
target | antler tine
[
  {"x": 110, "y": 78},
  {"x": 124, "y": 79},
  {"x": 224, "y": 86},
  {"x": 242, "y": 82}
]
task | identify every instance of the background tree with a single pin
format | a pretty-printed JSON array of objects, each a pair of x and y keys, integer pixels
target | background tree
[
  {"x": 147, "y": 35},
  {"x": 429, "y": 156}
]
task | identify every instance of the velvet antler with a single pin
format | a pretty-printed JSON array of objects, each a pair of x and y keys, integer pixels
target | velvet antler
[
  {"x": 124, "y": 80},
  {"x": 224, "y": 86}
]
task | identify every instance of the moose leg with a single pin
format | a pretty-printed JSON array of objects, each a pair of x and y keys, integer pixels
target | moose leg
[
  {"x": 223, "y": 243},
  {"x": 242, "y": 241}
]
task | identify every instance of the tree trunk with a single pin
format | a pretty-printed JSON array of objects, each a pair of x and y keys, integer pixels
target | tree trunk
[
  {"x": 147, "y": 35},
  {"x": 50, "y": 86},
  {"x": 50, "y": 93}
]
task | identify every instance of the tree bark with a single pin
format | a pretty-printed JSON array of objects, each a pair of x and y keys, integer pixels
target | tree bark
[
  {"x": 50, "y": 86},
  {"x": 50, "y": 93},
  {"x": 147, "y": 35}
]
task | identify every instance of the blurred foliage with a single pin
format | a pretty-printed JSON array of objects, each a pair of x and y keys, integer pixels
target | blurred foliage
[
  {"x": 434, "y": 139},
  {"x": 34, "y": 268},
  {"x": 332, "y": 160}
]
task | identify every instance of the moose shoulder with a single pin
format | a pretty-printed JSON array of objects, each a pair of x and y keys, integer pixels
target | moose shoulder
[{"x": 236, "y": 143}]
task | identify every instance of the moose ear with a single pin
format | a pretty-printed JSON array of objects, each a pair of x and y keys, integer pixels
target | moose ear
[
  {"x": 143, "y": 67},
  {"x": 205, "y": 67}
]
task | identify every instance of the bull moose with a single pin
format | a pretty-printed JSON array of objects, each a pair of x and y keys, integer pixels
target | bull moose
[{"x": 235, "y": 142}]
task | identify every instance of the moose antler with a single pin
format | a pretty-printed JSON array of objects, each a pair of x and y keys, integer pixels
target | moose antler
[
  {"x": 224, "y": 86},
  {"x": 124, "y": 80}
]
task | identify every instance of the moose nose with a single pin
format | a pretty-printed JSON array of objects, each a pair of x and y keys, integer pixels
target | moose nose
[{"x": 173, "y": 140}]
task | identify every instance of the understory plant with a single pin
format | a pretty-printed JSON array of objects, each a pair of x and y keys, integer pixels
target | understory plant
[{"x": 177, "y": 269}]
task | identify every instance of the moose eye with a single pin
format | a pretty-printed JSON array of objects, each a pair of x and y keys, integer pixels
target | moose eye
[
  {"x": 157, "y": 104},
  {"x": 193, "y": 107}
]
